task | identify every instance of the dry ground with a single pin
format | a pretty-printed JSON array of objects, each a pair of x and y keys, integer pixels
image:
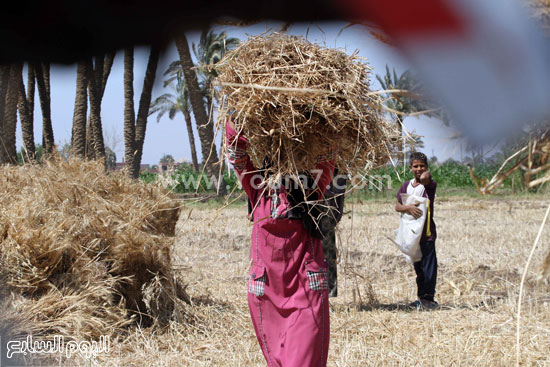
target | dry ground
[{"x": 482, "y": 248}]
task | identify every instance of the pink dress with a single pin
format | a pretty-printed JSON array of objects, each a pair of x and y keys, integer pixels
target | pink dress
[{"x": 287, "y": 286}]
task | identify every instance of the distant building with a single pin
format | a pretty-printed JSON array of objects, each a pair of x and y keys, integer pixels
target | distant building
[
  {"x": 119, "y": 166},
  {"x": 163, "y": 167}
]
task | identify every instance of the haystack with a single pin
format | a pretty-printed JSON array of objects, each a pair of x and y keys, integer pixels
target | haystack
[
  {"x": 83, "y": 253},
  {"x": 297, "y": 102}
]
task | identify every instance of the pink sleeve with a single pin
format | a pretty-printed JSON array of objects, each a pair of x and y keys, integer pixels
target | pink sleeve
[{"x": 237, "y": 156}]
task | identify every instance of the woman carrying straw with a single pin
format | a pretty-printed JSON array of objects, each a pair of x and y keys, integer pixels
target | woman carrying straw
[{"x": 287, "y": 286}]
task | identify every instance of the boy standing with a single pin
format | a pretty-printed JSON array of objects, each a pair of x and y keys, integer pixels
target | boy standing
[{"x": 426, "y": 268}]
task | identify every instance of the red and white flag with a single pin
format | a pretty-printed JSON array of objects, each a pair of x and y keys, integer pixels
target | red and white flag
[{"x": 482, "y": 58}]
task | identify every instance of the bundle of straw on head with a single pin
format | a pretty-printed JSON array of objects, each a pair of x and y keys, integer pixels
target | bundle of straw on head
[{"x": 297, "y": 102}]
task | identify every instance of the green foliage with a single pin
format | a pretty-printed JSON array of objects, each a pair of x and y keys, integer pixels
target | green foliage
[
  {"x": 211, "y": 49},
  {"x": 148, "y": 177},
  {"x": 22, "y": 154},
  {"x": 171, "y": 103},
  {"x": 185, "y": 180},
  {"x": 382, "y": 183},
  {"x": 64, "y": 152},
  {"x": 449, "y": 175}
]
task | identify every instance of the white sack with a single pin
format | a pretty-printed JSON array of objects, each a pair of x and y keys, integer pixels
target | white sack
[{"x": 407, "y": 236}]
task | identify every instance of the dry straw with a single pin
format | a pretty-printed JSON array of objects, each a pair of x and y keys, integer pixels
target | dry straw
[
  {"x": 523, "y": 277},
  {"x": 82, "y": 253},
  {"x": 298, "y": 102}
]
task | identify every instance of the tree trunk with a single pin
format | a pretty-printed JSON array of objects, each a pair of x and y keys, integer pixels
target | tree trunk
[
  {"x": 209, "y": 100},
  {"x": 27, "y": 123},
  {"x": 78, "y": 139},
  {"x": 143, "y": 110},
  {"x": 129, "y": 112},
  {"x": 210, "y": 106},
  {"x": 89, "y": 151},
  {"x": 31, "y": 86},
  {"x": 10, "y": 113},
  {"x": 96, "y": 87},
  {"x": 4, "y": 81},
  {"x": 187, "y": 116},
  {"x": 204, "y": 127},
  {"x": 46, "y": 71},
  {"x": 107, "y": 65},
  {"x": 42, "y": 80}
]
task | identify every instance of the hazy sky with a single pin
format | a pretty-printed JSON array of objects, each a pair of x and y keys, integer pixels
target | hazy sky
[{"x": 170, "y": 136}]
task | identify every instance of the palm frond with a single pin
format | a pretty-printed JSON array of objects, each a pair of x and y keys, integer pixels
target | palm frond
[
  {"x": 381, "y": 81},
  {"x": 173, "y": 110},
  {"x": 161, "y": 105},
  {"x": 159, "y": 110},
  {"x": 169, "y": 81},
  {"x": 173, "y": 68},
  {"x": 406, "y": 104}
]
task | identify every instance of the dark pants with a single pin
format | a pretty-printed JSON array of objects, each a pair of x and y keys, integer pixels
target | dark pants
[
  {"x": 329, "y": 248},
  {"x": 426, "y": 271}
]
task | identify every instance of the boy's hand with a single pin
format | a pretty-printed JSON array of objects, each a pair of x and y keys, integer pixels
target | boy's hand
[
  {"x": 425, "y": 178},
  {"x": 413, "y": 210}
]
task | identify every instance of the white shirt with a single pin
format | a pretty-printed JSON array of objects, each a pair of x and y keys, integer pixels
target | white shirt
[{"x": 418, "y": 190}]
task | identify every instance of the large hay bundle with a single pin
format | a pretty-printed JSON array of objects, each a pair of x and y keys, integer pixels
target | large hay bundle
[
  {"x": 82, "y": 252},
  {"x": 296, "y": 101}
]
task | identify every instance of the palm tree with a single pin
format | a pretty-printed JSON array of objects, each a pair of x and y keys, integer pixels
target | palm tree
[
  {"x": 405, "y": 104},
  {"x": 42, "y": 73},
  {"x": 26, "y": 115},
  {"x": 129, "y": 112},
  {"x": 204, "y": 125},
  {"x": 167, "y": 158},
  {"x": 97, "y": 80},
  {"x": 143, "y": 108},
  {"x": 78, "y": 139},
  {"x": 210, "y": 50},
  {"x": 415, "y": 143},
  {"x": 177, "y": 101},
  {"x": 31, "y": 86},
  {"x": 4, "y": 80},
  {"x": 10, "y": 113},
  {"x": 137, "y": 129}
]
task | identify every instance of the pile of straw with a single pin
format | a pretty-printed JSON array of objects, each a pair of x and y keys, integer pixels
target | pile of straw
[
  {"x": 297, "y": 102},
  {"x": 83, "y": 253}
]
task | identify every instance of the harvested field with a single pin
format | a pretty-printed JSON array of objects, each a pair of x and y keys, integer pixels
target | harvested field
[{"x": 482, "y": 248}]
